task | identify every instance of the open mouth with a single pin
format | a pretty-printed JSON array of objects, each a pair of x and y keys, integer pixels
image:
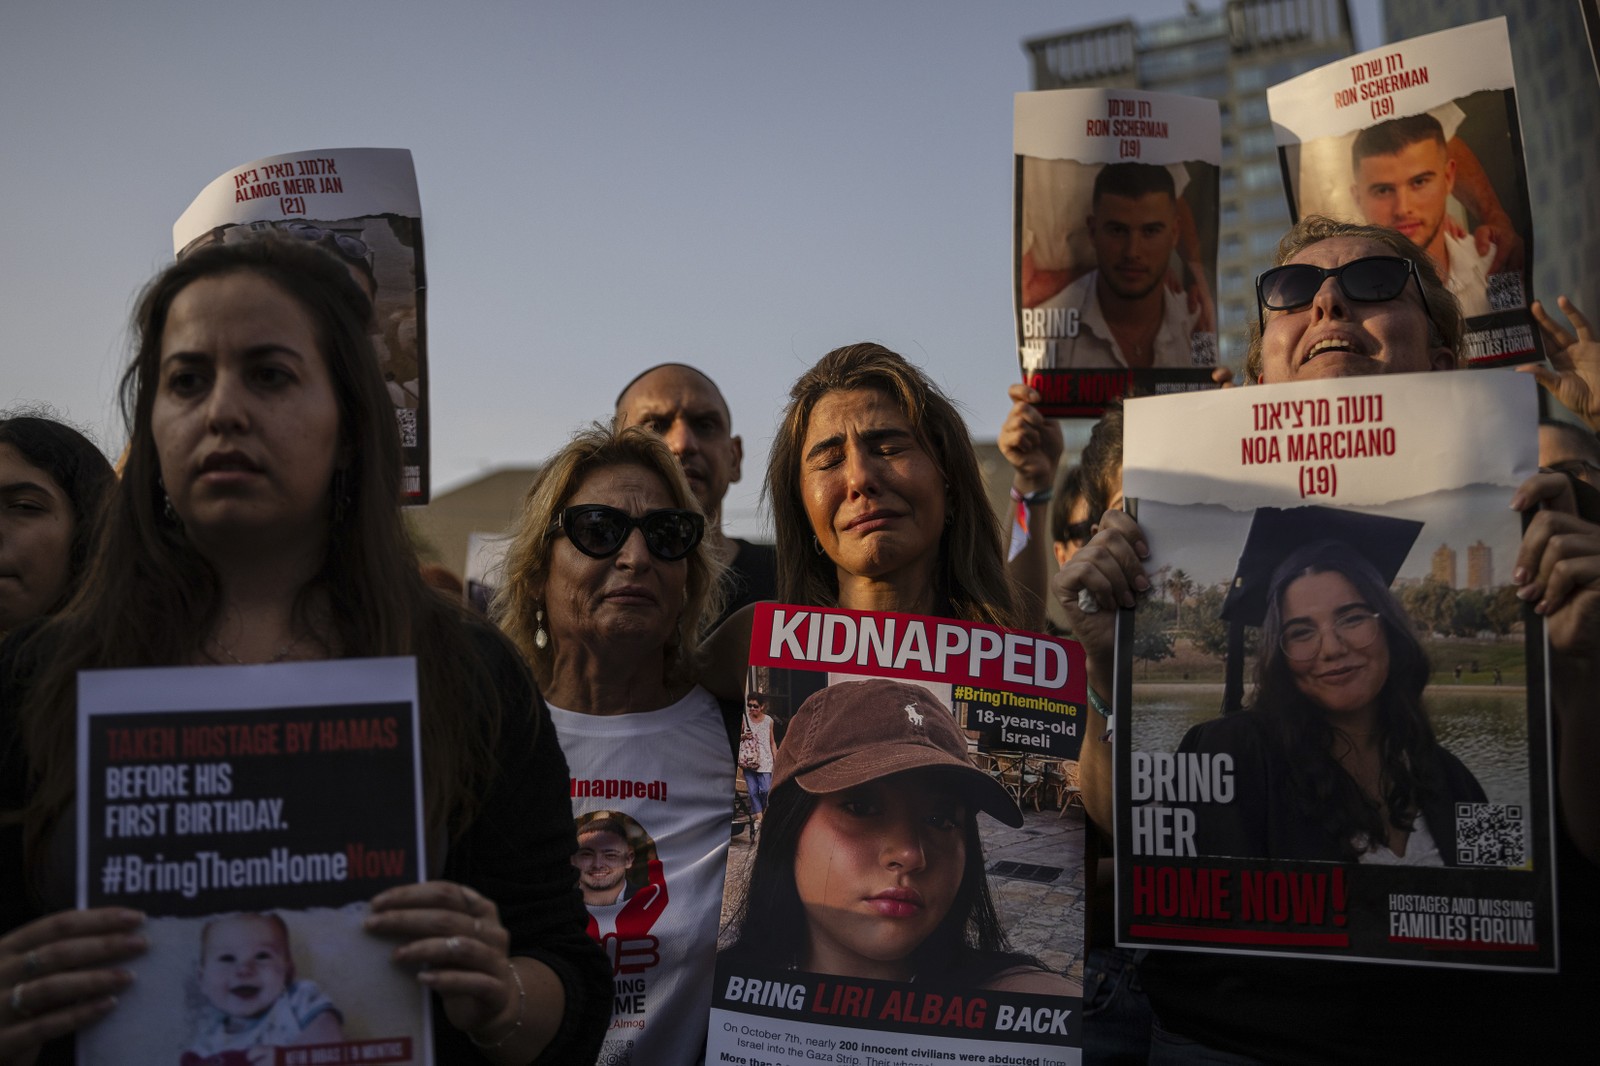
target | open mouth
[
  {"x": 245, "y": 991},
  {"x": 1333, "y": 345}
]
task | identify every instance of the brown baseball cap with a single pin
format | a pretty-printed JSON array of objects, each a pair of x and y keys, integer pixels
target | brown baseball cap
[{"x": 858, "y": 731}]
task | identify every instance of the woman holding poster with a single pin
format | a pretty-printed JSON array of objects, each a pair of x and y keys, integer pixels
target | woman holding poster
[
  {"x": 870, "y": 864},
  {"x": 877, "y": 501},
  {"x": 608, "y": 581},
  {"x": 52, "y": 480},
  {"x": 1333, "y": 308},
  {"x": 256, "y": 522}
]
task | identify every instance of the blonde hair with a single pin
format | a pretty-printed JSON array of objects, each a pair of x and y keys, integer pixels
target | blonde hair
[
  {"x": 1445, "y": 325},
  {"x": 527, "y": 562}
]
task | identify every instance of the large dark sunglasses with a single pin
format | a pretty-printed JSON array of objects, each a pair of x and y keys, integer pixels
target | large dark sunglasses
[
  {"x": 599, "y": 531},
  {"x": 1373, "y": 279}
]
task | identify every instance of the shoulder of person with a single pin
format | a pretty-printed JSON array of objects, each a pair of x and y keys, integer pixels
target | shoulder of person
[
  {"x": 753, "y": 554},
  {"x": 21, "y": 654},
  {"x": 1460, "y": 782},
  {"x": 1231, "y": 732},
  {"x": 1034, "y": 980},
  {"x": 757, "y": 566}
]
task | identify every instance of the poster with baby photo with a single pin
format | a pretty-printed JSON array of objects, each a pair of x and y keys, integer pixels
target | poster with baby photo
[
  {"x": 1332, "y": 732},
  {"x": 251, "y": 813},
  {"x": 1114, "y": 244},
  {"x": 1423, "y": 136},
  {"x": 914, "y": 889},
  {"x": 360, "y": 205}
]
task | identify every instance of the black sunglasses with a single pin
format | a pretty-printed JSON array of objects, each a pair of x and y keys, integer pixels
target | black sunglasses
[
  {"x": 1372, "y": 279},
  {"x": 1079, "y": 532},
  {"x": 599, "y": 531}
]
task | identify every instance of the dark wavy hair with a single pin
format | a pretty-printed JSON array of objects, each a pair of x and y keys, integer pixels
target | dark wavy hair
[
  {"x": 971, "y": 572},
  {"x": 769, "y": 924},
  {"x": 76, "y": 466},
  {"x": 149, "y": 597},
  {"x": 1322, "y": 789}
]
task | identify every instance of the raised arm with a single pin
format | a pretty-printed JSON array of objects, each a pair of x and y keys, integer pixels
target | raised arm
[
  {"x": 1477, "y": 195},
  {"x": 1558, "y": 571},
  {"x": 1105, "y": 574},
  {"x": 1031, "y": 443},
  {"x": 1575, "y": 381}
]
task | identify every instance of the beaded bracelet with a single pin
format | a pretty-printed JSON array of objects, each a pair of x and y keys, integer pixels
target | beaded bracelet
[{"x": 522, "y": 1012}]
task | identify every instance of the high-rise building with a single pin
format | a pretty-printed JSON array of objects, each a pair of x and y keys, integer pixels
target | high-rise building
[
  {"x": 1231, "y": 56},
  {"x": 1558, "y": 97},
  {"x": 1444, "y": 566},
  {"x": 1480, "y": 566}
]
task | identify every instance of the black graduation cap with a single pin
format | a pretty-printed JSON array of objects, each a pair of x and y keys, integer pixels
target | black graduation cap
[{"x": 1276, "y": 532}]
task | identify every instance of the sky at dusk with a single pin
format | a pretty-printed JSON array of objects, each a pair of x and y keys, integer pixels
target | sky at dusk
[{"x": 738, "y": 185}]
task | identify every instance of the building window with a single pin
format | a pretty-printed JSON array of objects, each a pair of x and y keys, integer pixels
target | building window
[
  {"x": 1258, "y": 142},
  {"x": 1263, "y": 243},
  {"x": 1261, "y": 175},
  {"x": 1249, "y": 79},
  {"x": 1268, "y": 209}
]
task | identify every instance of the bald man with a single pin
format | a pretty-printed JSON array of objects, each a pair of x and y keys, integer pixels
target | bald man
[{"x": 688, "y": 410}]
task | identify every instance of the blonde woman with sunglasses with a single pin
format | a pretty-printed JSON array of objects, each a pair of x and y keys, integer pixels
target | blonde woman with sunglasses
[{"x": 607, "y": 583}]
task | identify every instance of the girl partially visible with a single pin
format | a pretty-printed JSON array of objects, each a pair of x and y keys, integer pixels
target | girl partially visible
[{"x": 53, "y": 481}]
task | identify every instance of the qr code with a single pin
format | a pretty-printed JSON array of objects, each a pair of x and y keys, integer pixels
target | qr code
[
  {"x": 1505, "y": 291},
  {"x": 1203, "y": 349},
  {"x": 406, "y": 418},
  {"x": 1491, "y": 834},
  {"x": 615, "y": 1053}
]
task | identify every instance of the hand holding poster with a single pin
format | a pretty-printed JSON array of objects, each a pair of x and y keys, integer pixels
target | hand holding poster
[
  {"x": 251, "y": 813},
  {"x": 1422, "y": 136},
  {"x": 361, "y": 206},
  {"x": 1381, "y": 790},
  {"x": 1115, "y": 243},
  {"x": 866, "y": 925}
]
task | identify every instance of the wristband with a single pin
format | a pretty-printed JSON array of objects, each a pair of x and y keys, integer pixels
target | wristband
[
  {"x": 1033, "y": 498},
  {"x": 1101, "y": 707}
]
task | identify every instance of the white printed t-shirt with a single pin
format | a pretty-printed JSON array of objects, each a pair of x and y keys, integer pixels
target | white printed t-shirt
[{"x": 670, "y": 772}]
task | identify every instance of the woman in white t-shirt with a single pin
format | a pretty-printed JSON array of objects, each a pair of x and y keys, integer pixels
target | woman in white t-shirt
[{"x": 607, "y": 583}]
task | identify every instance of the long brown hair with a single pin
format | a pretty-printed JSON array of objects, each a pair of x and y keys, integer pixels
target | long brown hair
[
  {"x": 1320, "y": 787},
  {"x": 528, "y": 558},
  {"x": 149, "y": 598},
  {"x": 971, "y": 573}
]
